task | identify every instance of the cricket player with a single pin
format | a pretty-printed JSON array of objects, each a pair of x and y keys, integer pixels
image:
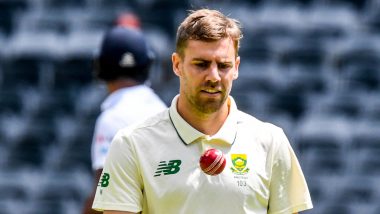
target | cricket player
[
  {"x": 123, "y": 63},
  {"x": 153, "y": 167}
]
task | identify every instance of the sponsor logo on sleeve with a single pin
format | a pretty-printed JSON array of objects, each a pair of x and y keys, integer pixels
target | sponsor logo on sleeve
[{"x": 104, "y": 180}]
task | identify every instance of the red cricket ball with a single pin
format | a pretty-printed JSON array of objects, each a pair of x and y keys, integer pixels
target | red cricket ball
[{"x": 212, "y": 162}]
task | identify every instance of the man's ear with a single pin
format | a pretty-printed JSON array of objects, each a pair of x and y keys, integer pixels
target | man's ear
[
  {"x": 176, "y": 60},
  {"x": 236, "y": 74},
  {"x": 237, "y": 63}
]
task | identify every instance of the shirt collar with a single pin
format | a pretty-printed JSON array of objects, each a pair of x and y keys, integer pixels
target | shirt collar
[{"x": 189, "y": 134}]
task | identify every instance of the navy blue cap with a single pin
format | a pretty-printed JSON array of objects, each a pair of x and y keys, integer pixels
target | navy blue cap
[{"x": 124, "y": 53}]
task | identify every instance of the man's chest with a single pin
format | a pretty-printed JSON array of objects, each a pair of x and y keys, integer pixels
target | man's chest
[{"x": 171, "y": 172}]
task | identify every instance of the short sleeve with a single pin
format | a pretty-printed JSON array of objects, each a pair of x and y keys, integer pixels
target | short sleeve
[
  {"x": 120, "y": 186},
  {"x": 288, "y": 189}
]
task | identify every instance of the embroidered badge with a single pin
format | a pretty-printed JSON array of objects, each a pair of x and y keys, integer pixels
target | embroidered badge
[{"x": 239, "y": 164}]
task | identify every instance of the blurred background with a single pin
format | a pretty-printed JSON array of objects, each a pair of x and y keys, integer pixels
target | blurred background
[{"x": 309, "y": 66}]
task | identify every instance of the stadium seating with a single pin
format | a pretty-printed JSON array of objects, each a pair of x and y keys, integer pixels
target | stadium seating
[{"x": 309, "y": 66}]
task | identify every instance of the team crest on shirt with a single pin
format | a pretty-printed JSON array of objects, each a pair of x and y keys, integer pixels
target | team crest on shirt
[{"x": 239, "y": 164}]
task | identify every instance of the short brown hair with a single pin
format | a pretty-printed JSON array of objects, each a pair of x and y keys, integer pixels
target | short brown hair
[{"x": 207, "y": 25}]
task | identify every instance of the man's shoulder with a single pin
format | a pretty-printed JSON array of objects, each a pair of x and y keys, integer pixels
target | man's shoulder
[
  {"x": 156, "y": 121},
  {"x": 270, "y": 136},
  {"x": 124, "y": 113},
  {"x": 249, "y": 120}
]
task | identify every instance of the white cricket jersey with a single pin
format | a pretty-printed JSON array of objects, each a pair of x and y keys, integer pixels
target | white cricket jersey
[
  {"x": 153, "y": 167},
  {"x": 120, "y": 109}
]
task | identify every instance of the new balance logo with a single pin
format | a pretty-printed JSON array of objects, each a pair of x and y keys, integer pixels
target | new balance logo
[
  {"x": 104, "y": 180},
  {"x": 172, "y": 167}
]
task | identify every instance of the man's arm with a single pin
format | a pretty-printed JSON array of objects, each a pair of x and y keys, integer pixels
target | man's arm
[
  {"x": 87, "y": 209},
  {"x": 117, "y": 212}
]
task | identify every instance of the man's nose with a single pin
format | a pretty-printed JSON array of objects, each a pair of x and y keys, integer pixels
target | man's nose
[{"x": 213, "y": 73}]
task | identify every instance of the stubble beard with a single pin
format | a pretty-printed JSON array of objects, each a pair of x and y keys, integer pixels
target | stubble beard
[{"x": 207, "y": 105}]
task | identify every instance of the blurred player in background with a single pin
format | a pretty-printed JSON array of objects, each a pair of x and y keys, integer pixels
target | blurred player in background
[
  {"x": 153, "y": 167},
  {"x": 128, "y": 20},
  {"x": 123, "y": 63}
]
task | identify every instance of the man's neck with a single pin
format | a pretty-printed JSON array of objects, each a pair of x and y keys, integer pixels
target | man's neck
[
  {"x": 121, "y": 83},
  {"x": 206, "y": 123}
]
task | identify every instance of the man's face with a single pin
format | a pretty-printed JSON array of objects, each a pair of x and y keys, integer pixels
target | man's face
[{"x": 206, "y": 73}]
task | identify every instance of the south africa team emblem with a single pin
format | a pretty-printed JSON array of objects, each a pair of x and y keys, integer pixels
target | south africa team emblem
[{"x": 239, "y": 164}]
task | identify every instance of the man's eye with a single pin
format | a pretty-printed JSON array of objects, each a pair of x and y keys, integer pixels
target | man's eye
[
  {"x": 224, "y": 66},
  {"x": 202, "y": 65}
]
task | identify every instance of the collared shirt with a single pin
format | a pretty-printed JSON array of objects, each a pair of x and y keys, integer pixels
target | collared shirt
[
  {"x": 120, "y": 109},
  {"x": 153, "y": 167},
  {"x": 188, "y": 134}
]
